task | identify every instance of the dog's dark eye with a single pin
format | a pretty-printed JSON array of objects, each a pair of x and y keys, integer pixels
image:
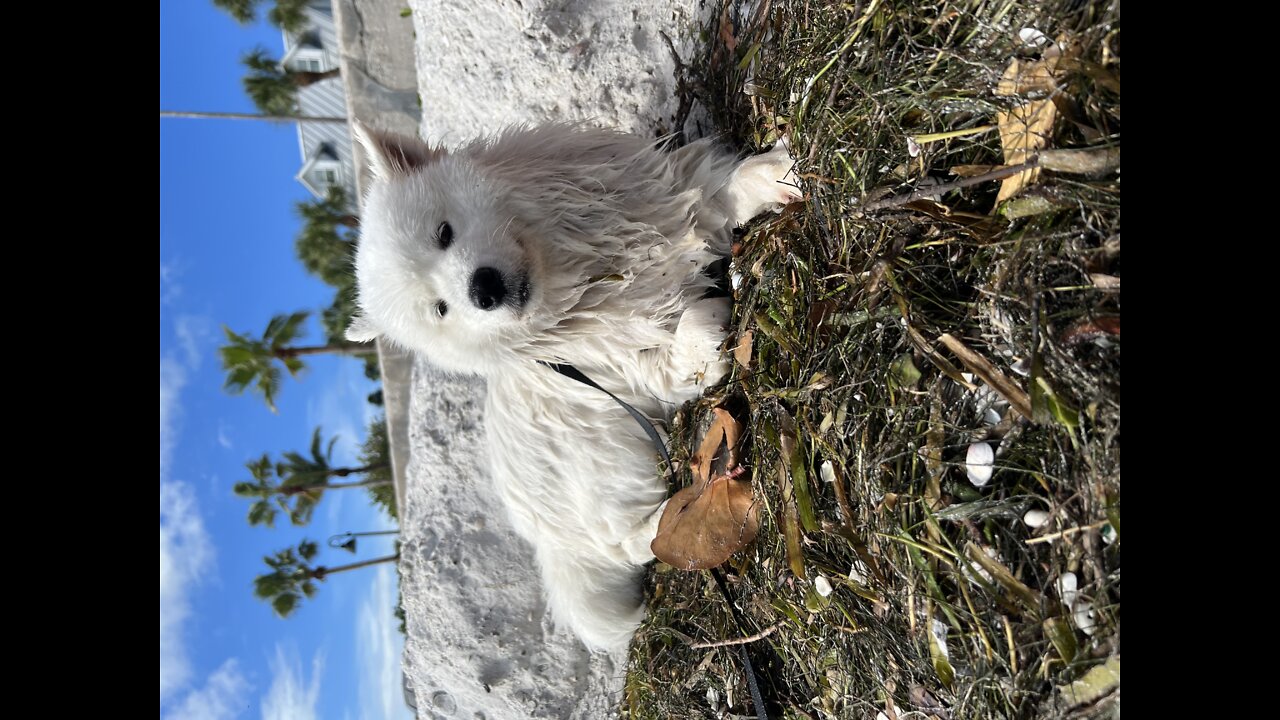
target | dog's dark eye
[
  {"x": 444, "y": 236},
  {"x": 442, "y": 308}
]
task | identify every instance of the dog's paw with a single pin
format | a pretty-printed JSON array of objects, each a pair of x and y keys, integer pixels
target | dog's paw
[
  {"x": 763, "y": 182},
  {"x": 638, "y": 545},
  {"x": 702, "y": 329},
  {"x": 781, "y": 165}
]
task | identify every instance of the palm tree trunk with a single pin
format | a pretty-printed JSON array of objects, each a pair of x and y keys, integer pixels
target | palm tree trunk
[
  {"x": 250, "y": 116},
  {"x": 343, "y": 472},
  {"x": 321, "y": 572},
  {"x": 362, "y": 483},
  {"x": 296, "y": 489}
]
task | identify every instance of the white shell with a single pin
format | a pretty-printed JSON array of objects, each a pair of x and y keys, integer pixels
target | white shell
[
  {"x": 980, "y": 463},
  {"x": 1033, "y": 38},
  {"x": 822, "y": 585},
  {"x": 940, "y": 634},
  {"x": 828, "y": 472},
  {"x": 1067, "y": 585},
  {"x": 858, "y": 572},
  {"x": 1082, "y": 612},
  {"x": 1035, "y": 518}
]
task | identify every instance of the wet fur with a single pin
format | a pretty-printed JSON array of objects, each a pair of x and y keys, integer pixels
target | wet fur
[{"x": 609, "y": 236}]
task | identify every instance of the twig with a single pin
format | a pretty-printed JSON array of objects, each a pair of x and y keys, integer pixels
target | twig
[
  {"x": 1069, "y": 531},
  {"x": 1013, "y": 649},
  {"x": 992, "y": 376},
  {"x": 739, "y": 641},
  {"x": 900, "y": 200}
]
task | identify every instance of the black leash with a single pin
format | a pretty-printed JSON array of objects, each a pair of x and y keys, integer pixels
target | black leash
[
  {"x": 574, "y": 373},
  {"x": 753, "y": 682}
]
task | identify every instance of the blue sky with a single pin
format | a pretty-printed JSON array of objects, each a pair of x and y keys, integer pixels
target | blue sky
[{"x": 226, "y": 257}]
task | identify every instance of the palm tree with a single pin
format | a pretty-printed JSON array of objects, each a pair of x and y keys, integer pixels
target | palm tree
[
  {"x": 261, "y": 490},
  {"x": 336, "y": 318},
  {"x": 244, "y": 11},
  {"x": 296, "y": 466},
  {"x": 334, "y": 209},
  {"x": 293, "y": 578},
  {"x": 303, "y": 480},
  {"x": 274, "y": 88},
  {"x": 325, "y": 245},
  {"x": 377, "y": 452},
  {"x": 251, "y": 362},
  {"x": 287, "y": 14},
  {"x": 326, "y": 254}
]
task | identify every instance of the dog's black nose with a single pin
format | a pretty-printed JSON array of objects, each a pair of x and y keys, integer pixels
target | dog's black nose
[{"x": 487, "y": 288}]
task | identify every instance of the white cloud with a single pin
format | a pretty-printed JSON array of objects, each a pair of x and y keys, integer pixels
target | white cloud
[
  {"x": 292, "y": 696},
  {"x": 378, "y": 649},
  {"x": 185, "y": 551},
  {"x": 224, "y": 439},
  {"x": 169, "y": 287},
  {"x": 223, "y": 696},
  {"x": 172, "y": 378},
  {"x": 193, "y": 331},
  {"x": 186, "y": 556}
]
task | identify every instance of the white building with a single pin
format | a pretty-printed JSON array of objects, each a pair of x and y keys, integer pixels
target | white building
[{"x": 325, "y": 146}]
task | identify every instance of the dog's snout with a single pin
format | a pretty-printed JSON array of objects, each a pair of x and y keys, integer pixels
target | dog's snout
[{"x": 488, "y": 288}]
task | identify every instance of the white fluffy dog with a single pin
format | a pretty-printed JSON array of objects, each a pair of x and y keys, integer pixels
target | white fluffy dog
[{"x": 570, "y": 245}]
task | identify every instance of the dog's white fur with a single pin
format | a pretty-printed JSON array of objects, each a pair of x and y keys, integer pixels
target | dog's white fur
[{"x": 601, "y": 240}]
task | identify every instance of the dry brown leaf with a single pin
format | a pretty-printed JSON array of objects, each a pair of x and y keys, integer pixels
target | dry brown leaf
[
  {"x": 1027, "y": 128},
  {"x": 723, "y": 429},
  {"x": 726, "y": 29},
  {"x": 717, "y": 515},
  {"x": 1024, "y": 76},
  {"x": 1028, "y": 76},
  {"x": 742, "y": 353},
  {"x": 1023, "y": 131},
  {"x": 1091, "y": 329},
  {"x": 706, "y": 523},
  {"x": 980, "y": 227},
  {"x": 790, "y": 523},
  {"x": 934, "y": 438},
  {"x": 966, "y": 171}
]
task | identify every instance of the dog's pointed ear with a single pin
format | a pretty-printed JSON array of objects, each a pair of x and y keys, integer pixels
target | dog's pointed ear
[
  {"x": 392, "y": 155},
  {"x": 361, "y": 330}
]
